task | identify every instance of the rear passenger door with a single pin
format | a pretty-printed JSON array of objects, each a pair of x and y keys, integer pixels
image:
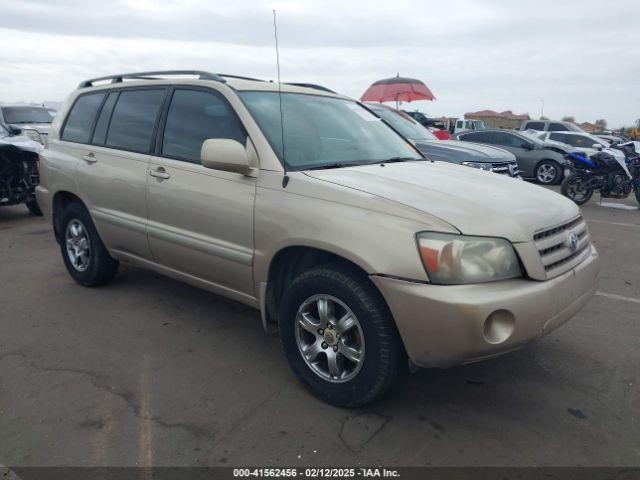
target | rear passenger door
[
  {"x": 113, "y": 172},
  {"x": 526, "y": 157},
  {"x": 200, "y": 219}
]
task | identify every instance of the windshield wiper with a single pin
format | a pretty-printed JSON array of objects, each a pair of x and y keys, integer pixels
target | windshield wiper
[
  {"x": 332, "y": 165},
  {"x": 395, "y": 160}
]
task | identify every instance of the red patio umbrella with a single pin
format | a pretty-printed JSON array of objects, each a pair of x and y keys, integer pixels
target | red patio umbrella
[{"x": 397, "y": 89}]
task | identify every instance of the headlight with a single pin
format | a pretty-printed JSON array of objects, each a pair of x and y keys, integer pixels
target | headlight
[
  {"x": 481, "y": 166},
  {"x": 31, "y": 135},
  {"x": 458, "y": 259}
]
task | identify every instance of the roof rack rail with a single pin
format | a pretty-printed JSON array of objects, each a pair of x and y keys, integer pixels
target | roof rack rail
[
  {"x": 311, "y": 85},
  {"x": 240, "y": 77},
  {"x": 151, "y": 76}
]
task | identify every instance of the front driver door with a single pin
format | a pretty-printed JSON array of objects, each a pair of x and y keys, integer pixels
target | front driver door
[{"x": 200, "y": 220}]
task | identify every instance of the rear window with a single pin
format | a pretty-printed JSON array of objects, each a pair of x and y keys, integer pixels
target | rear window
[
  {"x": 80, "y": 120},
  {"x": 535, "y": 126},
  {"x": 558, "y": 137},
  {"x": 134, "y": 118},
  {"x": 557, "y": 127}
]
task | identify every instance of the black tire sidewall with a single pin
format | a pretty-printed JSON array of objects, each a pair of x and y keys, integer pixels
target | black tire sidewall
[
  {"x": 556, "y": 167},
  {"x": 380, "y": 337},
  {"x": 101, "y": 266},
  {"x": 564, "y": 189},
  {"x": 34, "y": 208}
]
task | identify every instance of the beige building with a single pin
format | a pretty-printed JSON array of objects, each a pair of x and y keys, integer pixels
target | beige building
[
  {"x": 491, "y": 119},
  {"x": 589, "y": 127}
]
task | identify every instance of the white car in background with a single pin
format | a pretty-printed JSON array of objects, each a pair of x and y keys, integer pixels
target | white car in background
[
  {"x": 579, "y": 141},
  {"x": 31, "y": 121}
]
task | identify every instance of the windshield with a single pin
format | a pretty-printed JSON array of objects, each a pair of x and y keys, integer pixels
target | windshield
[
  {"x": 409, "y": 128},
  {"x": 27, "y": 114},
  {"x": 324, "y": 131}
]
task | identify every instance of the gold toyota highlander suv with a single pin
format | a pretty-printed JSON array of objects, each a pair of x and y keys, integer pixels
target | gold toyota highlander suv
[{"x": 303, "y": 204}]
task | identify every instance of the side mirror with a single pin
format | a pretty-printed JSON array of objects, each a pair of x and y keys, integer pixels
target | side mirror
[
  {"x": 13, "y": 130},
  {"x": 597, "y": 146},
  {"x": 528, "y": 146},
  {"x": 226, "y": 155}
]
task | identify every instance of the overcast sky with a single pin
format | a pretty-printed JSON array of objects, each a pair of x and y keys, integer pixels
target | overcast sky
[{"x": 580, "y": 57}]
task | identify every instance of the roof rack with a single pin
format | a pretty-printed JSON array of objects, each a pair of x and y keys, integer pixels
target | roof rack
[
  {"x": 311, "y": 85},
  {"x": 151, "y": 76},
  {"x": 240, "y": 77}
]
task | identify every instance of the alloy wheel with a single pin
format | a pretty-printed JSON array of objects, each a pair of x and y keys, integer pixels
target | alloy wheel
[
  {"x": 546, "y": 173},
  {"x": 78, "y": 245},
  {"x": 329, "y": 338}
]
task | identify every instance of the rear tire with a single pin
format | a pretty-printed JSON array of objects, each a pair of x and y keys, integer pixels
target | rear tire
[
  {"x": 302, "y": 325},
  {"x": 572, "y": 188},
  {"x": 85, "y": 256},
  {"x": 34, "y": 208},
  {"x": 548, "y": 172}
]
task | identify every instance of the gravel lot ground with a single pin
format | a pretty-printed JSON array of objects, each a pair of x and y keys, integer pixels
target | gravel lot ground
[{"x": 149, "y": 371}]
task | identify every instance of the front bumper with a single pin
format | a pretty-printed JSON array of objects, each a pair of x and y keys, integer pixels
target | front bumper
[{"x": 444, "y": 325}]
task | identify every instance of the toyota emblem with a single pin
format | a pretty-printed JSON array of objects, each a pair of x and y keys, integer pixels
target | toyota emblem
[{"x": 573, "y": 241}]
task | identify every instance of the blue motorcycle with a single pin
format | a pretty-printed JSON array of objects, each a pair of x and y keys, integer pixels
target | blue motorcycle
[{"x": 614, "y": 172}]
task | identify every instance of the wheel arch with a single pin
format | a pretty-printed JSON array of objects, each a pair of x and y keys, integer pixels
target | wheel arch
[
  {"x": 290, "y": 261},
  {"x": 60, "y": 201}
]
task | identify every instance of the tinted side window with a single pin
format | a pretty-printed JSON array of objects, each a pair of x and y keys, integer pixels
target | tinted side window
[
  {"x": 557, "y": 127},
  {"x": 80, "y": 120},
  {"x": 133, "y": 119},
  {"x": 100, "y": 132},
  {"x": 580, "y": 141},
  {"x": 508, "y": 140},
  {"x": 535, "y": 125},
  {"x": 193, "y": 117},
  {"x": 558, "y": 137},
  {"x": 481, "y": 137}
]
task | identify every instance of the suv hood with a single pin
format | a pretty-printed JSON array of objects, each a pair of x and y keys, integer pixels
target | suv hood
[
  {"x": 458, "y": 151},
  {"x": 473, "y": 201}
]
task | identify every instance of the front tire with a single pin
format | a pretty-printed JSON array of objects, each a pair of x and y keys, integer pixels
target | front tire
[
  {"x": 339, "y": 336},
  {"x": 573, "y": 187},
  {"x": 637, "y": 195},
  {"x": 548, "y": 172},
  {"x": 85, "y": 256}
]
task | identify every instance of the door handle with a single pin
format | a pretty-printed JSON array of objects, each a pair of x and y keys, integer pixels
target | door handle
[
  {"x": 159, "y": 173},
  {"x": 90, "y": 158}
]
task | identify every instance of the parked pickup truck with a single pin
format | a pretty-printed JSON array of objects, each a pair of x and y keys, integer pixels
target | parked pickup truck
[{"x": 303, "y": 204}]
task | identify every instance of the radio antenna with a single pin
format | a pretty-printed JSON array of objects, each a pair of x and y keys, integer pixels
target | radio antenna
[{"x": 285, "y": 179}]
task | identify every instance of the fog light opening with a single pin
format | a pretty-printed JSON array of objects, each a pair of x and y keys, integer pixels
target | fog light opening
[{"x": 498, "y": 326}]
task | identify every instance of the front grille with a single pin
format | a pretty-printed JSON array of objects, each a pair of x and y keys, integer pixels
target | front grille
[
  {"x": 554, "y": 246},
  {"x": 504, "y": 169}
]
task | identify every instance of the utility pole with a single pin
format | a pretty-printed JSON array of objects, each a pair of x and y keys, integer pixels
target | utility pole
[{"x": 542, "y": 109}]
